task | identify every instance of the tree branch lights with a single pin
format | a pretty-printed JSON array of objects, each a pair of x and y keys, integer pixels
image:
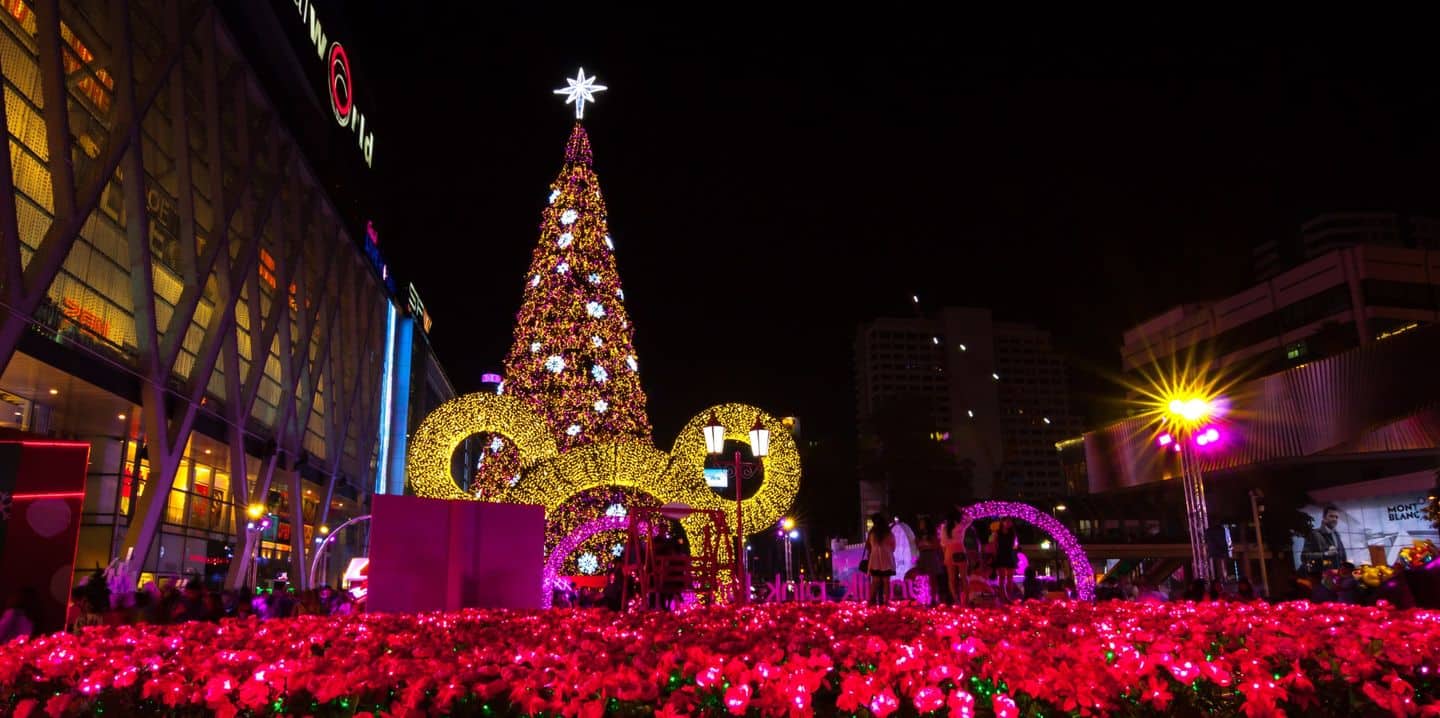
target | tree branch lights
[
  {"x": 572, "y": 541},
  {"x": 1074, "y": 552},
  {"x": 427, "y": 468}
]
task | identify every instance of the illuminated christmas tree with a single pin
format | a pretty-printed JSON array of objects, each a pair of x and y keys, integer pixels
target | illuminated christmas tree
[{"x": 573, "y": 358}]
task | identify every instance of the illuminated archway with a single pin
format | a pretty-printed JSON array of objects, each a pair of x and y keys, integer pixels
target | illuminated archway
[
  {"x": 572, "y": 541},
  {"x": 1074, "y": 552}
]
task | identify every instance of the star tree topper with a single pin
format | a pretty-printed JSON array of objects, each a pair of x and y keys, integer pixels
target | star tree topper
[{"x": 581, "y": 90}]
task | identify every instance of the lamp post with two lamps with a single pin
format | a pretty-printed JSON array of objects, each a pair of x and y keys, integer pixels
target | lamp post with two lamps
[
  {"x": 787, "y": 533},
  {"x": 759, "y": 447},
  {"x": 1187, "y": 423}
]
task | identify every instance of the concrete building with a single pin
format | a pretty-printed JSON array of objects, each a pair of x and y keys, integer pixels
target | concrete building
[
  {"x": 1336, "y": 230},
  {"x": 994, "y": 395},
  {"x": 182, "y": 291},
  {"x": 1342, "y": 299}
]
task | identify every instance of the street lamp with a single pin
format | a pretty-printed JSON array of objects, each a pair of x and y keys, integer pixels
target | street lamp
[
  {"x": 256, "y": 526},
  {"x": 760, "y": 447},
  {"x": 788, "y": 533},
  {"x": 1256, "y": 497},
  {"x": 1187, "y": 417}
]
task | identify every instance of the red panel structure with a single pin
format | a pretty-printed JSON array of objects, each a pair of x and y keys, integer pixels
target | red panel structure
[
  {"x": 441, "y": 555},
  {"x": 42, "y": 490}
]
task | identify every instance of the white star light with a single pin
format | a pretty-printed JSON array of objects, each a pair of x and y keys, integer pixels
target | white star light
[
  {"x": 596, "y": 341},
  {"x": 553, "y": 194},
  {"x": 581, "y": 90},
  {"x": 601, "y": 405},
  {"x": 565, "y": 240},
  {"x": 563, "y": 267},
  {"x": 588, "y": 564},
  {"x": 555, "y": 364},
  {"x": 573, "y": 429},
  {"x": 569, "y": 216},
  {"x": 595, "y": 309}
]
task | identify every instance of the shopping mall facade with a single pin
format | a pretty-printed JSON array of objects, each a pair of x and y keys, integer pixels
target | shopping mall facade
[{"x": 182, "y": 291}]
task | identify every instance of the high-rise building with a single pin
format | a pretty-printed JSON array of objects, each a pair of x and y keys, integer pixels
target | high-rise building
[
  {"x": 993, "y": 394},
  {"x": 184, "y": 290}
]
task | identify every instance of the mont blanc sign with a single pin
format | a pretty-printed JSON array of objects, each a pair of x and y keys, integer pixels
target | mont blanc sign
[{"x": 338, "y": 82}]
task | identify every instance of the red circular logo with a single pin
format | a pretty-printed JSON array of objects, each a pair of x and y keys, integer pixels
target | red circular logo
[{"x": 341, "y": 99}]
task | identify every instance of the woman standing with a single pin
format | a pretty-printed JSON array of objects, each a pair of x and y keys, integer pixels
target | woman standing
[
  {"x": 930, "y": 561},
  {"x": 1006, "y": 558},
  {"x": 957, "y": 562},
  {"x": 880, "y": 544}
]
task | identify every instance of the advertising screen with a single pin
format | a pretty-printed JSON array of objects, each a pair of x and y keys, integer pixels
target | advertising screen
[
  {"x": 717, "y": 478},
  {"x": 1367, "y": 522}
]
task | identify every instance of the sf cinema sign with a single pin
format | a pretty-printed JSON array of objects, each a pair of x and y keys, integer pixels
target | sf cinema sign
[{"x": 342, "y": 95}]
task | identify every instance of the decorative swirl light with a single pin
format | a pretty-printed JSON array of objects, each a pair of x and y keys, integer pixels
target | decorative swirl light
[
  {"x": 427, "y": 468},
  {"x": 550, "y": 477},
  {"x": 779, "y": 482}
]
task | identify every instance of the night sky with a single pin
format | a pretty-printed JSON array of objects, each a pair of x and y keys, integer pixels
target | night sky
[{"x": 772, "y": 184}]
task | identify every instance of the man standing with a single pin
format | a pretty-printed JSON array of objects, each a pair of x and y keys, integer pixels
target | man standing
[{"x": 1323, "y": 548}]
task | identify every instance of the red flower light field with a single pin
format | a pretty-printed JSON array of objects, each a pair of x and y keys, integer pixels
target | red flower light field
[{"x": 787, "y": 660}]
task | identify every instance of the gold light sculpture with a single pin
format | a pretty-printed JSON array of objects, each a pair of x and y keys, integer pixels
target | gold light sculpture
[{"x": 550, "y": 478}]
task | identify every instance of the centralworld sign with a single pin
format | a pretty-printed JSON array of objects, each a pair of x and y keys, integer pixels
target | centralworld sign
[{"x": 338, "y": 82}]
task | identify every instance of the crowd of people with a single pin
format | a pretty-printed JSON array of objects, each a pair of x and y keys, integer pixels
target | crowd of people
[
  {"x": 943, "y": 554},
  {"x": 94, "y": 603},
  {"x": 965, "y": 569}
]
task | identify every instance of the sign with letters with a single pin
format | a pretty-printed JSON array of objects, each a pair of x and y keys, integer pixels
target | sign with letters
[{"x": 339, "y": 87}]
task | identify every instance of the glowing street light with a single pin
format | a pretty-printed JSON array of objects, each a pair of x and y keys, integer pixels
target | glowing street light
[
  {"x": 787, "y": 523},
  {"x": 1187, "y": 414},
  {"x": 714, "y": 436},
  {"x": 759, "y": 436},
  {"x": 255, "y": 511}
]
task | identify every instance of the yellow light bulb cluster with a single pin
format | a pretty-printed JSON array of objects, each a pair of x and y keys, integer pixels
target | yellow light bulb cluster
[
  {"x": 779, "y": 482},
  {"x": 551, "y": 478},
  {"x": 427, "y": 468}
]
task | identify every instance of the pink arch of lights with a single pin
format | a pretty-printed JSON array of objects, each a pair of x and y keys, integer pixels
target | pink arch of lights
[
  {"x": 1074, "y": 552},
  {"x": 568, "y": 545}
]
